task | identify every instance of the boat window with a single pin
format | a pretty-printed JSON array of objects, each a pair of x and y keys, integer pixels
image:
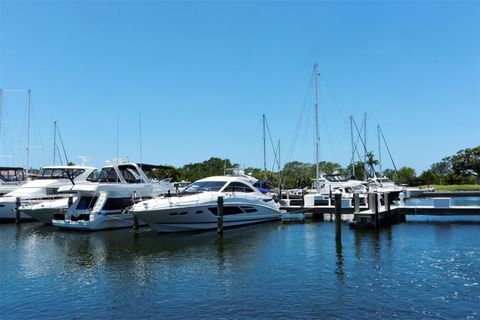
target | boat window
[
  {"x": 200, "y": 186},
  {"x": 237, "y": 187},
  {"x": 10, "y": 174},
  {"x": 226, "y": 210},
  {"x": 59, "y": 173},
  {"x": 249, "y": 209},
  {"x": 93, "y": 176},
  {"x": 129, "y": 173},
  {"x": 117, "y": 203},
  {"x": 86, "y": 203},
  {"x": 108, "y": 175}
]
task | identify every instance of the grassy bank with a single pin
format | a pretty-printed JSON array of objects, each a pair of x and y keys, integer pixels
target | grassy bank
[{"x": 456, "y": 187}]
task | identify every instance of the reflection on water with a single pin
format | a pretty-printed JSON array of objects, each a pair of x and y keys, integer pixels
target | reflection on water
[{"x": 412, "y": 270}]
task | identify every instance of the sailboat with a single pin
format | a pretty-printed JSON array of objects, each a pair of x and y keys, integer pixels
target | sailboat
[{"x": 324, "y": 185}]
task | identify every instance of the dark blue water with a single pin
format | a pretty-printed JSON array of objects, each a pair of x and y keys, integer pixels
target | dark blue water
[{"x": 414, "y": 270}]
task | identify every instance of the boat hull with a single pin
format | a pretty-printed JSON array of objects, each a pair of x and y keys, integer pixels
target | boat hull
[
  {"x": 184, "y": 219},
  {"x": 8, "y": 213},
  {"x": 100, "y": 222}
]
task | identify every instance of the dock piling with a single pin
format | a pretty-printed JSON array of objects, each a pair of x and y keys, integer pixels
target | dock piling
[
  {"x": 220, "y": 215},
  {"x": 386, "y": 202},
  {"x": 70, "y": 201},
  {"x": 338, "y": 216},
  {"x": 356, "y": 202},
  {"x": 135, "y": 222},
  {"x": 17, "y": 210}
]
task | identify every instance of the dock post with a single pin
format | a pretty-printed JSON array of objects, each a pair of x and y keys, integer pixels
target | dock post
[
  {"x": 375, "y": 210},
  {"x": 386, "y": 202},
  {"x": 356, "y": 202},
  {"x": 220, "y": 215},
  {"x": 338, "y": 216},
  {"x": 70, "y": 201},
  {"x": 303, "y": 198},
  {"x": 17, "y": 210},
  {"x": 135, "y": 222}
]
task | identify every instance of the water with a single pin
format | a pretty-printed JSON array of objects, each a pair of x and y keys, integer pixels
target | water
[{"x": 414, "y": 270}]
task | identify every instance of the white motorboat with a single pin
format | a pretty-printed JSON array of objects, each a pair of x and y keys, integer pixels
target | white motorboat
[
  {"x": 384, "y": 184},
  {"x": 11, "y": 178},
  {"x": 102, "y": 205},
  {"x": 45, "y": 187},
  {"x": 196, "y": 207}
]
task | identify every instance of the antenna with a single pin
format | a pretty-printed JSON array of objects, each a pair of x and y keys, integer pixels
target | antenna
[{"x": 85, "y": 159}]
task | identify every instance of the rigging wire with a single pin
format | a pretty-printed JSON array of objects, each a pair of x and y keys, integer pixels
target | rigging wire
[
  {"x": 297, "y": 128},
  {"x": 63, "y": 146},
  {"x": 388, "y": 149}
]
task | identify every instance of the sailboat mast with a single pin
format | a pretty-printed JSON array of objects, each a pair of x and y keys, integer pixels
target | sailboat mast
[
  {"x": 54, "y": 140},
  {"x": 379, "y": 152},
  {"x": 317, "y": 137},
  {"x": 365, "y": 146},
  {"x": 264, "y": 148},
  {"x": 353, "y": 146},
  {"x": 140, "y": 129},
  {"x": 29, "y": 92},
  {"x": 117, "y": 141}
]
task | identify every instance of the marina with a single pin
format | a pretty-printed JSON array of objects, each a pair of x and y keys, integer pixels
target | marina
[{"x": 274, "y": 270}]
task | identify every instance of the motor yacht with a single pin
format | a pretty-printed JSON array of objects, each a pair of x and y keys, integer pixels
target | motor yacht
[
  {"x": 102, "y": 205},
  {"x": 45, "y": 187},
  {"x": 196, "y": 207}
]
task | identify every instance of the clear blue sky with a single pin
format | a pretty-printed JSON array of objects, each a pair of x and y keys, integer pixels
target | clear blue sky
[{"x": 201, "y": 74}]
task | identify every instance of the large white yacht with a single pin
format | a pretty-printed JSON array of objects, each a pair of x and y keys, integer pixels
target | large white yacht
[
  {"x": 11, "y": 178},
  {"x": 196, "y": 207},
  {"x": 102, "y": 205},
  {"x": 45, "y": 187}
]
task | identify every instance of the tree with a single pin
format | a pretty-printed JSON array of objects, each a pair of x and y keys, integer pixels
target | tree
[
  {"x": 407, "y": 176},
  {"x": 371, "y": 163},
  {"x": 428, "y": 177},
  {"x": 466, "y": 162},
  {"x": 297, "y": 174},
  {"x": 165, "y": 172}
]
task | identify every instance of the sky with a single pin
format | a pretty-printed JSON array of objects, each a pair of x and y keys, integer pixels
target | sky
[{"x": 178, "y": 82}]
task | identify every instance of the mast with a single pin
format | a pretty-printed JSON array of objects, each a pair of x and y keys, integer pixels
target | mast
[
  {"x": 140, "y": 129},
  {"x": 117, "y": 141},
  {"x": 317, "y": 137},
  {"x": 353, "y": 147},
  {"x": 54, "y": 140},
  {"x": 365, "y": 146},
  {"x": 379, "y": 151},
  {"x": 264, "y": 148},
  {"x": 29, "y": 92}
]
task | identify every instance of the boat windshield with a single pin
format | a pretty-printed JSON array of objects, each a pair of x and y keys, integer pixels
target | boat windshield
[
  {"x": 335, "y": 178},
  {"x": 59, "y": 173},
  {"x": 12, "y": 174},
  {"x": 108, "y": 175},
  {"x": 201, "y": 186}
]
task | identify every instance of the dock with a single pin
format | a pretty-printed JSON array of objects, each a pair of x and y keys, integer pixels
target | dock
[{"x": 377, "y": 213}]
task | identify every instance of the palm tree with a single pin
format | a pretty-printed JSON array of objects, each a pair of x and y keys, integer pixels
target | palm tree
[{"x": 371, "y": 163}]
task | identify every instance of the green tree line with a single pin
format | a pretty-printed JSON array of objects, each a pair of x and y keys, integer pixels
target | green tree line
[{"x": 461, "y": 168}]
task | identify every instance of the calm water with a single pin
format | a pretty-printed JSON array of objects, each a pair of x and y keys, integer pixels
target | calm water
[{"x": 413, "y": 270}]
